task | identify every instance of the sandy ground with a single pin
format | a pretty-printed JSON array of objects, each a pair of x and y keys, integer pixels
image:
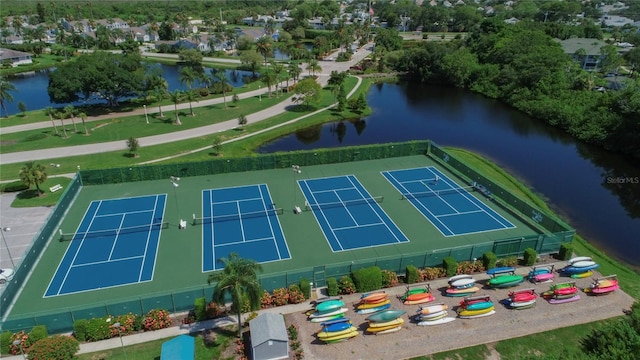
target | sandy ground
[{"x": 413, "y": 340}]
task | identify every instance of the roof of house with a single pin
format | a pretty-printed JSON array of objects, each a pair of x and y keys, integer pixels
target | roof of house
[
  {"x": 591, "y": 46},
  {"x": 11, "y": 54},
  {"x": 267, "y": 327}
]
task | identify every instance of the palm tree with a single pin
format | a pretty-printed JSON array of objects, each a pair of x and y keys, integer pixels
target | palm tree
[
  {"x": 294, "y": 71},
  {"x": 278, "y": 69},
  {"x": 191, "y": 96},
  {"x": 50, "y": 111},
  {"x": 263, "y": 47},
  {"x": 158, "y": 94},
  {"x": 176, "y": 96},
  {"x": 83, "y": 117},
  {"x": 33, "y": 173},
  {"x": 60, "y": 115},
  {"x": 269, "y": 79},
  {"x": 220, "y": 76},
  {"x": 5, "y": 94},
  {"x": 188, "y": 76},
  {"x": 239, "y": 278},
  {"x": 314, "y": 67},
  {"x": 70, "y": 111}
]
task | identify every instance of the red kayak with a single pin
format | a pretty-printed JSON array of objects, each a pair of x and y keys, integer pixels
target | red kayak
[
  {"x": 418, "y": 297},
  {"x": 522, "y": 297},
  {"x": 566, "y": 291}
]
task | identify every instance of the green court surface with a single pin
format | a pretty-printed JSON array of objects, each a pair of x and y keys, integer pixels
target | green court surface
[{"x": 178, "y": 264}]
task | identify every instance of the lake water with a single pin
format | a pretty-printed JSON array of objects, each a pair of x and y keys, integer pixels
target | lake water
[
  {"x": 31, "y": 88},
  {"x": 596, "y": 191}
]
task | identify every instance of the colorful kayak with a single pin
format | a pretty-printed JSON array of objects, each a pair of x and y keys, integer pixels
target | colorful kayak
[
  {"x": 465, "y": 312},
  {"x": 458, "y": 277},
  {"x": 503, "y": 281},
  {"x": 463, "y": 283},
  {"x": 477, "y": 316},
  {"x": 602, "y": 290},
  {"x": 382, "y": 329},
  {"x": 563, "y": 301},
  {"x": 543, "y": 277},
  {"x": 578, "y": 259},
  {"x": 433, "y": 316},
  {"x": 374, "y": 296},
  {"x": 388, "y": 331},
  {"x": 423, "y": 299},
  {"x": 327, "y": 335},
  {"x": 576, "y": 270},
  {"x": 386, "y": 315},
  {"x": 332, "y": 337},
  {"x": 337, "y": 311},
  {"x": 327, "y": 318},
  {"x": 413, "y": 292},
  {"x": 418, "y": 296},
  {"x": 585, "y": 274},
  {"x": 521, "y": 305},
  {"x": 430, "y": 309},
  {"x": 328, "y": 306},
  {"x": 437, "y": 322},
  {"x": 373, "y": 305},
  {"x": 461, "y": 292},
  {"x": 522, "y": 297},
  {"x": 566, "y": 291},
  {"x": 479, "y": 305},
  {"x": 394, "y": 322},
  {"x": 501, "y": 270},
  {"x": 336, "y": 327},
  {"x": 583, "y": 264},
  {"x": 373, "y": 310}
]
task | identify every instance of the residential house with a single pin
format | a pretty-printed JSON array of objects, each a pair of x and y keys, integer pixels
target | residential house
[
  {"x": 269, "y": 338},
  {"x": 14, "y": 57},
  {"x": 585, "y": 52}
]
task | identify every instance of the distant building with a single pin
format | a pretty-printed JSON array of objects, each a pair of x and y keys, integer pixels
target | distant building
[
  {"x": 14, "y": 57},
  {"x": 585, "y": 52}
]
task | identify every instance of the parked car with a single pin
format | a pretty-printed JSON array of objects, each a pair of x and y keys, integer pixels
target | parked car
[{"x": 6, "y": 275}]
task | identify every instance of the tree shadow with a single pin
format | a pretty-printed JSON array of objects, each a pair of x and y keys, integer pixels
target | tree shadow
[
  {"x": 29, "y": 194},
  {"x": 299, "y": 108}
]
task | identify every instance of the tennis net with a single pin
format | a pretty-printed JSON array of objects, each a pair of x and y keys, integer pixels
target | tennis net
[
  {"x": 112, "y": 232},
  {"x": 458, "y": 190},
  {"x": 365, "y": 201},
  {"x": 235, "y": 217}
]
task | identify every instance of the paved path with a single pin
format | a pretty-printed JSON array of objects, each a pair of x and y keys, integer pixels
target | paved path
[{"x": 17, "y": 157}]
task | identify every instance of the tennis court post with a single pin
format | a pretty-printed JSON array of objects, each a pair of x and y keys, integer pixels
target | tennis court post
[
  {"x": 182, "y": 224},
  {"x": 296, "y": 170}
]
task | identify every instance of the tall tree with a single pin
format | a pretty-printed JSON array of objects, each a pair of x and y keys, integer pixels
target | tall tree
[
  {"x": 263, "y": 47},
  {"x": 269, "y": 79},
  {"x": 49, "y": 111},
  {"x": 70, "y": 112},
  {"x": 33, "y": 173},
  {"x": 191, "y": 96},
  {"x": 175, "y": 97},
  {"x": 309, "y": 92},
  {"x": 239, "y": 279},
  {"x": 60, "y": 116},
  {"x": 294, "y": 71},
  {"x": 5, "y": 95},
  {"x": 314, "y": 67}
]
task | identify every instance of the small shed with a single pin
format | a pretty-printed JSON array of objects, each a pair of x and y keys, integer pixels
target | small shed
[
  {"x": 179, "y": 348},
  {"x": 269, "y": 339}
]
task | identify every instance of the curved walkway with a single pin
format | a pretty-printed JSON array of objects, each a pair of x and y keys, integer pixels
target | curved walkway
[{"x": 16, "y": 157}]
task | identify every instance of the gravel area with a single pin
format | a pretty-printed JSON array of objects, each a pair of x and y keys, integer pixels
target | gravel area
[{"x": 413, "y": 340}]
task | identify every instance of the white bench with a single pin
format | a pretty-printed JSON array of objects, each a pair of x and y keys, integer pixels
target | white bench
[{"x": 55, "y": 188}]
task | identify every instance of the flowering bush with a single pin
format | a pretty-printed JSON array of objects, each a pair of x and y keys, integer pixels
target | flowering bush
[
  {"x": 24, "y": 342},
  {"x": 280, "y": 297},
  {"x": 430, "y": 273},
  {"x": 389, "y": 279},
  {"x": 346, "y": 286},
  {"x": 266, "y": 300},
  {"x": 215, "y": 310},
  {"x": 241, "y": 350},
  {"x": 55, "y": 347},
  {"x": 156, "y": 319},
  {"x": 509, "y": 261},
  {"x": 295, "y": 295},
  {"x": 127, "y": 325}
]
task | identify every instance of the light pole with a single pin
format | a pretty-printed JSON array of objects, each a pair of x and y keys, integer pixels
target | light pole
[
  {"x": 18, "y": 343},
  {"x": 13, "y": 264},
  {"x": 117, "y": 326},
  {"x": 296, "y": 170},
  {"x": 145, "y": 113},
  {"x": 260, "y": 92},
  {"x": 174, "y": 182}
]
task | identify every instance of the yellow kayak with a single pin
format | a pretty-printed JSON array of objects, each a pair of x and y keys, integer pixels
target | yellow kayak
[
  {"x": 395, "y": 322},
  {"x": 341, "y": 337},
  {"x": 475, "y": 312},
  {"x": 324, "y": 335},
  {"x": 381, "y": 328},
  {"x": 373, "y": 305}
]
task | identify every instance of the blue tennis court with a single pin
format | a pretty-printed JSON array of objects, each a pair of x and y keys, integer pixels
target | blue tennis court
[
  {"x": 453, "y": 209},
  {"x": 348, "y": 215},
  {"x": 115, "y": 244},
  {"x": 243, "y": 220}
]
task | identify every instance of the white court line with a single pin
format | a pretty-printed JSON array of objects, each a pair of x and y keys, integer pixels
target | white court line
[{"x": 323, "y": 216}]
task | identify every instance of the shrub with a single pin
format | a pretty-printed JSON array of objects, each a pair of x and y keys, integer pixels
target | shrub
[
  {"x": 24, "y": 343},
  {"x": 346, "y": 286},
  {"x": 450, "y": 265},
  {"x": 215, "y": 310},
  {"x": 127, "y": 324},
  {"x": 367, "y": 279},
  {"x": 468, "y": 267},
  {"x": 98, "y": 329},
  {"x": 266, "y": 300},
  {"x": 431, "y": 273},
  {"x": 14, "y": 187},
  {"x": 530, "y": 256},
  {"x": 295, "y": 294},
  {"x": 293, "y": 332},
  {"x": 509, "y": 261},
  {"x": 332, "y": 286},
  {"x": 389, "y": 279},
  {"x": 156, "y": 319},
  {"x": 37, "y": 333},
  {"x": 489, "y": 260},
  {"x": 566, "y": 251},
  {"x": 305, "y": 287},
  {"x": 413, "y": 275},
  {"x": 280, "y": 297},
  {"x": 80, "y": 329},
  {"x": 200, "y": 308},
  {"x": 5, "y": 340},
  {"x": 54, "y": 348}
]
